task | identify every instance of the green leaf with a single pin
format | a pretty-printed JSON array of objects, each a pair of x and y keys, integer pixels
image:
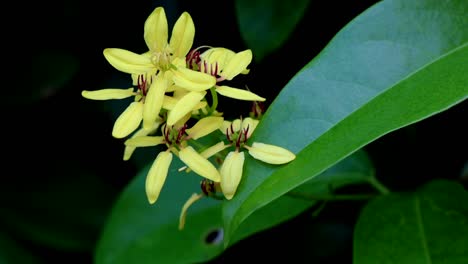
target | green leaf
[
  {"x": 355, "y": 169},
  {"x": 266, "y": 25},
  {"x": 397, "y": 63},
  {"x": 137, "y": 232},
  {"x": 427, "y": 226}
]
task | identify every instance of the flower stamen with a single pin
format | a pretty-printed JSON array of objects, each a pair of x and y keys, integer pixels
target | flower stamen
[
  {"x": 142, "y": 85},
  {"x": 162, "y": 60},
  {"x": 227, "y": 134},
  {"x": 181, "y": 133}
]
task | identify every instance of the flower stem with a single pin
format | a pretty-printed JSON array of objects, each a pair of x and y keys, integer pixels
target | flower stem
[
  {"x": 378, "y": 185},
  {"x": 214, "y": 97}
]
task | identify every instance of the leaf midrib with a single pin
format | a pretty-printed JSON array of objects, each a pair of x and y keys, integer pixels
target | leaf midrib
[
  {"x": 419, "y": 222},
  {"x": 236, "y": 222}
]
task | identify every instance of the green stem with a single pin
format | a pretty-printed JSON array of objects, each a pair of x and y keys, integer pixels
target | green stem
[
  {"x": 331, "y": 197},
  {"x": 378, "y": 185},
  {"x": 317, "y": 211},
  {"x": 214, "y": 96}
]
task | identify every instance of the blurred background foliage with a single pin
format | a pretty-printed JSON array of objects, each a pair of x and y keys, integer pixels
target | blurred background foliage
[{"x": 64, "y": 171}]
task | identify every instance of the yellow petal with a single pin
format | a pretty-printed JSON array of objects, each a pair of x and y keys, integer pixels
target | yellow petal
[
  {"x": 193, "y": 80},
  {"x": 154, "y": 101},
  {"x": 144, "y": 141},
  {"x": 127, "y": 61},
  {"x": 270, "y": 153},
  {"x": 198, "y": 164},
  {"x": 217, "y": 55},
  {"x": 231, "y": 173},
  {"x": 108, "y": 94},
  {"x": 237, "y": 64},
  {"x": 128, "y": 151},
  {"x": 183, "y": 213},
  {"x": 238, "y": 94},
  {"x": 179, "y": 62},
  {"x": 128, "y": 121},
  {"x": 169, "y": 102},
  {"x": 179, "y": 92},
  {"x": 236, "y": 125},
  {"x": 182, "y": 35},
  {"x": 156, "y": 30},
  {"x": 250, "y": 124},
  {"x": 200, "y": 105},
  {"x": 182, "y": 121},
  {"x": 231, "y": 126},
  {"x": 157, "y": 175},
  {"x": 171, "y": 88},
  {"x": 226, "y": 126},
  {"x": 205, "y": 126},
  {"x": 185, "y": 105},
  {"x": 213, "y": 150}
]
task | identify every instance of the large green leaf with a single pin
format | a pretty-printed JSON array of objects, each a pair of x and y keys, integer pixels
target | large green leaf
[
  {"x": 265, "y": 25},
  {"x": 139, "y": 233},
  {"x": 426, "y": 226},
  {"x": 355, "y": 169},
  {"x": 395, "y": 64}
]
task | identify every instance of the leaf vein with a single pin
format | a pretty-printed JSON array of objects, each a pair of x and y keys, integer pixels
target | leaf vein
[{"x": 417, "y": 206}]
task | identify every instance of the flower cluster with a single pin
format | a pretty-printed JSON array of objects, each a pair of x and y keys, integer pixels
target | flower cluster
[{"x": 169, "y": 89}]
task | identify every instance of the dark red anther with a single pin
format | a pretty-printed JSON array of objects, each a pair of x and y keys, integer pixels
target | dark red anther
[
  {"x": 181, "y": 133},
  {"x": 258, "y": 108},
  {"x": 232, "y": 129},
  {"x": 238, "y": 141},
  {"x": 142, "y": 84},
  {"x": 166, "y": 134},
  {"x": 253, "y": 109},
  {"x": 214, "y": 70},
  {"x": 246, "y": 131},
  {"x": 227, "y": 134},
  {"x": 207, "y": 187},
  {"x": 192, "y": 59},
  {"x": 205, "y": 64},
  {"x": 188, "y": 58}
]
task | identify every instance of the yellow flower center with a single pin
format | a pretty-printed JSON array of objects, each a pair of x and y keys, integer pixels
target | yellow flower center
[
  {"x": 239, "y": 138},
  {"x": 173, "y": 136},
  {"x": 162, "y": 60}
]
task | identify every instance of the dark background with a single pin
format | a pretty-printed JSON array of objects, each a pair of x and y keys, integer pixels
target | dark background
[{"x": 58, "y": 143}]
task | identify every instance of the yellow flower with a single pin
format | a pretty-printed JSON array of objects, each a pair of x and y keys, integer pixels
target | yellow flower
[
  {"x": 162, "y": 56},
  {"x": 147, "y": 105},
  {"x": 237, "y": 133},
  {"x": 154, "y": 73},
  {"x": 128, "y": 151},
  {"x": 157, "y": 175},
  {"x": 231, "y": 173},
  {"x": 176, "y": 139},
  {"x": 225, "y": 64}
]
